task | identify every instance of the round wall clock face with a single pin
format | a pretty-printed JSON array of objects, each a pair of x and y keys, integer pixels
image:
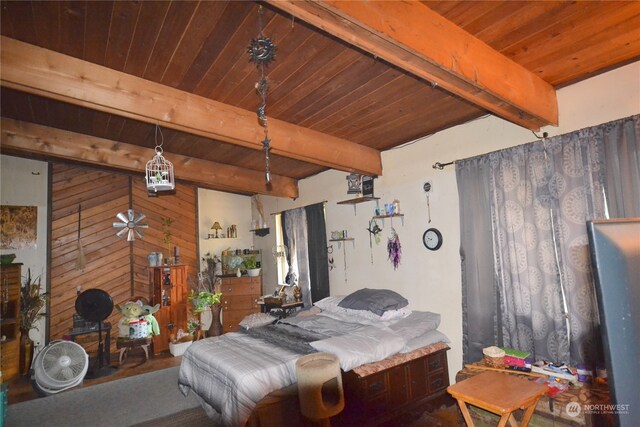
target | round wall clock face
[{"x": 432, "y": 239}]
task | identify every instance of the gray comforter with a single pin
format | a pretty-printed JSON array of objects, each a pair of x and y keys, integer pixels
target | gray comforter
[{"x": 233, "y": 372}]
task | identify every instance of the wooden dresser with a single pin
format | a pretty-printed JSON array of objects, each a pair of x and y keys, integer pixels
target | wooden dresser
[
  {"x": 10, "y": 320},
  {"x": 240, "y": 297},
  {"x": 383, "y": 395},
  {"x": 169, "y": 289}
]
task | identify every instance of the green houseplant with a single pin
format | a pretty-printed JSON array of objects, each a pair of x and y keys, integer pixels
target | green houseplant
[
  {"x": 251, "y": 264},
  {"x": 208, "y": 300},
  {"x": 204, "y": 300}
]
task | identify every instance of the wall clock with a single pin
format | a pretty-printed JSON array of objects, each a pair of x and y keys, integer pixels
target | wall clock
[{"x": 432, "y": 239}]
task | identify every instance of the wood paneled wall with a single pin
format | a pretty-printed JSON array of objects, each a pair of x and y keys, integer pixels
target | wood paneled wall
[
  {"x": 112, "y": 264},
  {"x": 182, "y": 208}
]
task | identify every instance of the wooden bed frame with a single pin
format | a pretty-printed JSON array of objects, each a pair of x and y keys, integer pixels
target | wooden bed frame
[{"x": 369, "y": 400}]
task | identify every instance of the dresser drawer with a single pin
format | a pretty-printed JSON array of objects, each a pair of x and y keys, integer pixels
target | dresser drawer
[
  {"x": 438, "y": 381},
  {"x": 240, "y": 302},
  {"x": 240, "y": 289},
  {"x": 436, "y": 362},
  {"x": 375, "y": 385}
]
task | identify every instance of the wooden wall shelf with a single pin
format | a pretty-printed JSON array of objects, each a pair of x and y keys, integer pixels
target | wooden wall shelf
[
  {"x": 358, "y": 200},
  {"x": 388, "y": 216}
]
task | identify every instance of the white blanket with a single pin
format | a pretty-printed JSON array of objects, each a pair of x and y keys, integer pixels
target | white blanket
[{"x": 233, "y": 372}]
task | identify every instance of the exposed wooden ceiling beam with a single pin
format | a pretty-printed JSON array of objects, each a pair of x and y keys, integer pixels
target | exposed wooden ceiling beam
[
  {"x": 50, "y": 74},
  {"x": 415, "y": 38},
  {"x": 22, "y": 137}
]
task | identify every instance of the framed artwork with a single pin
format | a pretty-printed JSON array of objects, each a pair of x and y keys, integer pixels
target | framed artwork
[{"x": 18, "y": 227}]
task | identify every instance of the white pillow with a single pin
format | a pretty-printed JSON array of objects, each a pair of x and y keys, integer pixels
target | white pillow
[
  {"x": 329, "y": 303},
  {"x": 257, "y": 319},
  {"x": 366, "y": 345},
  {"x": 416, "y": 324},
  {"x": 423, "y": 340}
]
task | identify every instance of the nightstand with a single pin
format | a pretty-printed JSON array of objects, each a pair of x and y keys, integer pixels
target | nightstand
[{"x": 286, "y": 309}]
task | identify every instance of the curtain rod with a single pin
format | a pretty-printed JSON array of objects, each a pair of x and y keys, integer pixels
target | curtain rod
[
  {"x": 440, "y": 166},
  {"x": 279, "y": 212}
]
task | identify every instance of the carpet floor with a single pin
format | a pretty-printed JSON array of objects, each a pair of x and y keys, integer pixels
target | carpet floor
[{"x": 142, "y": 399}]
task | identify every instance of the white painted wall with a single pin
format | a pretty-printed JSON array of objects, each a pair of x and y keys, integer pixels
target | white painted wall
[
  {"x": 24, "y": 182},
  {"x": 431, "y": 280},
  {"x": 227, "y": 209}
]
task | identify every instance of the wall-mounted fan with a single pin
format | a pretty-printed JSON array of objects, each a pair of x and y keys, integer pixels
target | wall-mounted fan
[{"x": 130, "y": 225}]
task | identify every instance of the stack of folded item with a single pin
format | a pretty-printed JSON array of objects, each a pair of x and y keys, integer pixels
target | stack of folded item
[{"x": 517, "y": 360}]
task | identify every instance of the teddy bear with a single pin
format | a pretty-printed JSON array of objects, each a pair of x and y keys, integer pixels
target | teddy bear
[{"x": 134, "y": 311}]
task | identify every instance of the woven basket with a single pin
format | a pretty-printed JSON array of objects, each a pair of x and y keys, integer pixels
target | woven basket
[{"x": 494, "y": 362}]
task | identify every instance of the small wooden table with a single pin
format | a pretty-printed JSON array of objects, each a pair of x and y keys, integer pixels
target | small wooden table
[
  {"x": 124, "y": 344},
  {"x": 499, "y": 393},
  {"x": 93, "y": 329}
]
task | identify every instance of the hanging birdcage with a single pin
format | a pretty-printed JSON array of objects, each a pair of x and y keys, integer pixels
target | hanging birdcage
[
  {"x": 159, "y": 173},
  {"x": 159, "y": 170}
]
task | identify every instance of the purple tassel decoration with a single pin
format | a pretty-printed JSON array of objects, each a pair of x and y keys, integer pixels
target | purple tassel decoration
[{"x": 394, "y": 249}]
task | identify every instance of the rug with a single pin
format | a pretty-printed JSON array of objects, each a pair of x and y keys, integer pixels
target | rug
[{"x": 126, "y": 402}]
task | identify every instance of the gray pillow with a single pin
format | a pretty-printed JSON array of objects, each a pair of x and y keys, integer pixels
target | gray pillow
[{"x": 374, "y": 300}]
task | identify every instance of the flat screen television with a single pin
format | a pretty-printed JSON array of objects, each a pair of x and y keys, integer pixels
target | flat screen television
[{"x": 615, "y": 255}]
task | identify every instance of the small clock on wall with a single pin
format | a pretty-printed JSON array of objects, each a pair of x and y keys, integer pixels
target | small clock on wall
[{"x": 432, "y": 239}]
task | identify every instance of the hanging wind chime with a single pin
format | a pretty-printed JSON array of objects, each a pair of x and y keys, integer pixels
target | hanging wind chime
[
  {"x": 159, "y": 171},
  {"x": 262, "y": 51}
]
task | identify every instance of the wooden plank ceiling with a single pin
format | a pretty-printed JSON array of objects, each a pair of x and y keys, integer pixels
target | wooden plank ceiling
[{"x": 331, "y": 104}]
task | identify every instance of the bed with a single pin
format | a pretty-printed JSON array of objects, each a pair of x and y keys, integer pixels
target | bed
[{"x": 391, "y": 358}]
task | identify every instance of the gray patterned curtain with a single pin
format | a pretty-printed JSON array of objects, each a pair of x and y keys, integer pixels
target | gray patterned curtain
[
  {"x": 480, "y": 315},
  {"x": 622, "y": 154},
  {"x": 539, "y": 197}
]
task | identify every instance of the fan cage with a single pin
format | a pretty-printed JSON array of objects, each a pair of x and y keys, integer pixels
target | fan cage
[
  {"x": 159, "y": 173},
  {"x": 60, "y": 366}
]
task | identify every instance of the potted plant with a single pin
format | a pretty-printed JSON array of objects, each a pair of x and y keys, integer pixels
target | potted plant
[
  {"x": 32, "y": 301},
  {"x": 193, "y": 326},
  {"x": 251, "y": 265},
  {"x": 205, "y": 300}
]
